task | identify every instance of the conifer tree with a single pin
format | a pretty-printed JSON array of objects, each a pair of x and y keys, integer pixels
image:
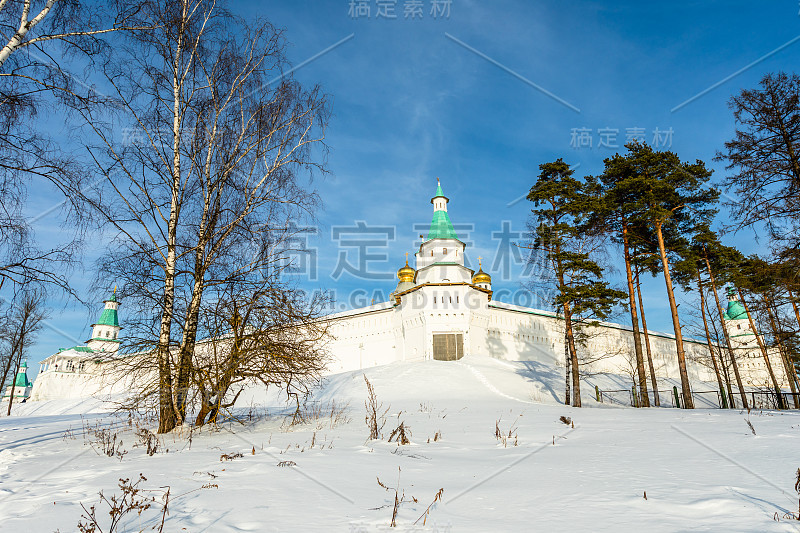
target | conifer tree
[
  {"x": 718, "y": 261},
  {"x": 688, "y": 272},
  {"x": 618, "y": 217},
  {"x": 753, "y": 275},
  {"x": 764, "y": 159},
  {"x": 670, "y": 197},
  {"x": 561, "y": 205}
]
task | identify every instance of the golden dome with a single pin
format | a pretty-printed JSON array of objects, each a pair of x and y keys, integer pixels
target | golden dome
[
  {"x": 406, "y": 273},
  {"x": 481, "y": 276}
]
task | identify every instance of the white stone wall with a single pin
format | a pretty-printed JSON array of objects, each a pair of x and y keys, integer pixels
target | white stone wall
[{"x": 516, "y": 333}]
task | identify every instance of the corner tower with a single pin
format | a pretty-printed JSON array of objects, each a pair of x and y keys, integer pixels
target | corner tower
[
  {"x": 737, "y": 323},
  {"x": 105, "y": 331}
]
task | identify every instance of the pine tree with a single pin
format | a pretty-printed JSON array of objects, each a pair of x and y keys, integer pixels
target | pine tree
[
  {"x": 670, "y": 197},
  {"x": 619, "y": 204},
  {"x": 561, "y": 205},
  {"x": 688, "y": 272}
]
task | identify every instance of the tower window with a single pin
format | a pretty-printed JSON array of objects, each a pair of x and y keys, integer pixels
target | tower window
[{"x": 444, "y": 251}]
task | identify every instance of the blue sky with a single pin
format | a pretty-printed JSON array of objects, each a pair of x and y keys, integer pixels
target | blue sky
[{"x": 414, "y": 99}]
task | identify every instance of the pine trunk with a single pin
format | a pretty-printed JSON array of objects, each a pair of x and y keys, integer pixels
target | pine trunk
[
  {"x": 725, "y": 332},
  {"x": 763, "y": 350},
  {"x": 576, "y": 378},
  {"x": 796, "y": 311},
  {"x": 653, "y": 380},
  {"x": 567, "y": 374},
  {"x": 637, "y": 339},
  {"x": 791, "y": 376},
  {"x": 687, "y": 391},
  {"x": 701, "y": 290}
]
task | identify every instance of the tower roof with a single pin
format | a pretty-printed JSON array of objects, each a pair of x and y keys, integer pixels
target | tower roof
[
  {"x": 736, "y": 310},
  {"x": 441, "y": 227},
  {"x": 108, "y": 318},
  {"x": 21, "y": 380},
  {"x": 109, "y": 315}
]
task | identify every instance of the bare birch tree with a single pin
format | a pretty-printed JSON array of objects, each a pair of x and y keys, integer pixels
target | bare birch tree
[
  {"x": 25, "y": 321},
  {"x": 215, "y": 139}
]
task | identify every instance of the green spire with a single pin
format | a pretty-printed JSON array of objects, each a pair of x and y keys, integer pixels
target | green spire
[
  {"x": 441, "y": 227},
  {"x": 736, "y": 310},
  {"x": 22, "y": 377},
  {"x": 108, "y": 318},
  {"x": 109, "y": 315}
]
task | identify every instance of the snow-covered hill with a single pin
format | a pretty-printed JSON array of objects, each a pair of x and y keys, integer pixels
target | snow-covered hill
[{"x": 700, "y": 470}]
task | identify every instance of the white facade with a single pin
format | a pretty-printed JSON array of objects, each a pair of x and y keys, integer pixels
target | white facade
[
  {"x": 440, "y": 310},
  {"x": 445, "y": 297}
]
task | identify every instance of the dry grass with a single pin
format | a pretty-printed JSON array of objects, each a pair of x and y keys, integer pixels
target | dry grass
[
  {"x": 376, "y": 415},
  {"x": 401, "y": 434},
  {"x": 506, "y": 437}
]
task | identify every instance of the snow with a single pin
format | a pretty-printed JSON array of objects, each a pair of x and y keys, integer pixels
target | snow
[{"x": 702, "y": 470}]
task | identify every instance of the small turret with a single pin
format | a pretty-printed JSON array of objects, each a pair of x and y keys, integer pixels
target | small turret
[
  {"x": 105, "y": 331},
  {"x": 737, "y": 323},
  {"x": 22, "y": 385}
]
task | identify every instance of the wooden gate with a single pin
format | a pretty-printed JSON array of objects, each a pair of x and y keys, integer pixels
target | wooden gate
[{"x": 448, "y": 346}]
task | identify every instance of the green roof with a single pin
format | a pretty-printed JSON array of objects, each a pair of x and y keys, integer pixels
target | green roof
[
  {"x": 108, "y": 318},
  {"x": 22, "y": 377},
  {"x": 77, "y": 349},
  {"x": 441, "y": 227},
  {"x": 736, "y": 311}
]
